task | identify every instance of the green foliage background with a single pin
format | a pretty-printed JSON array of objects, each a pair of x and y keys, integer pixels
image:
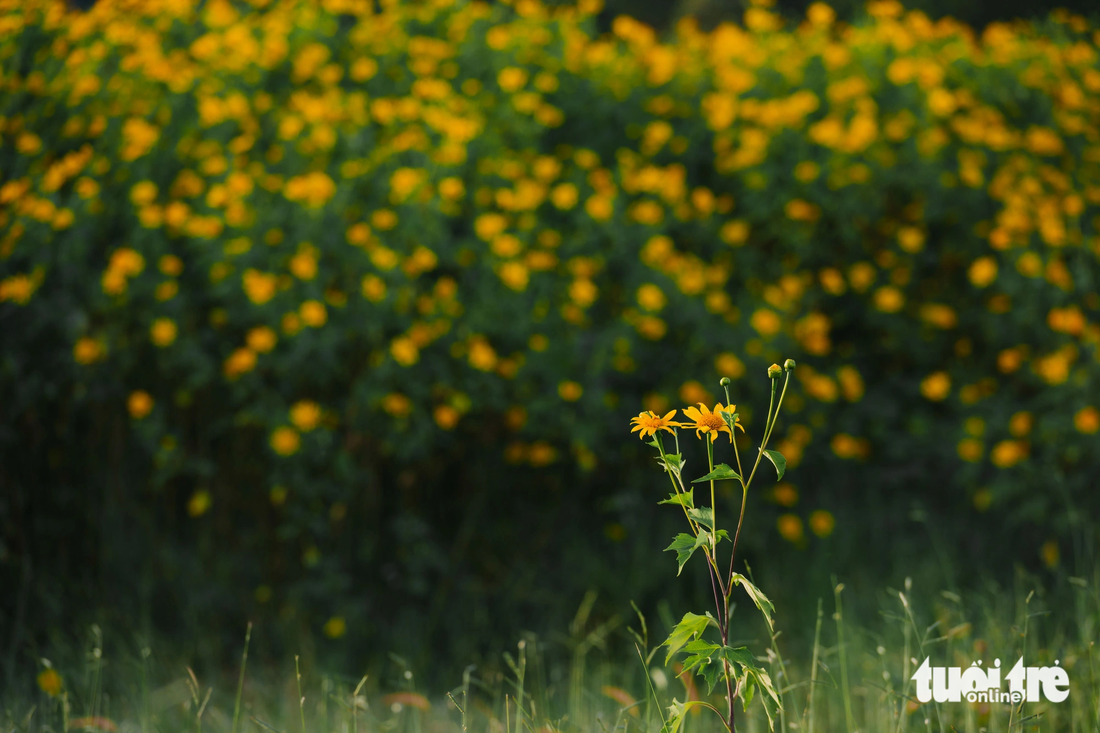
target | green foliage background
[{"x": 312, "y": 312}]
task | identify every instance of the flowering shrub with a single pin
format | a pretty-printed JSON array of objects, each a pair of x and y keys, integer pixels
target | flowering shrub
[{"x": 314, "y": 281}]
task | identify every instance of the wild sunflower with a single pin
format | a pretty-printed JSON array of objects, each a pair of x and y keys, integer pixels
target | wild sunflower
[
  {"x": 649, "y": 423},
  {"x": 708, "y": 422}
]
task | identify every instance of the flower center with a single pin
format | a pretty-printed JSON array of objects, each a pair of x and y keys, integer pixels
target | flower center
[{"x": 711, "y": 422}]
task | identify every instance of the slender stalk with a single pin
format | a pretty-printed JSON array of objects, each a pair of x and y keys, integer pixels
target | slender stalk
[
  {"x": 679, "y": 488},
  {"x": 145, "y": 689},
  {"x": 813, "y": 668},
  {"x": 355, "y": 704},
  {"x": 843, "y": 657},
  {"x": 240, "y": 681},
  {"x": 301, "y": 700},
  {"x": 713, "y": 507},
  {"x": 733, "y": 439},
  {"x": 675, "y": 485},
  {"x": 769, "y": 423}
]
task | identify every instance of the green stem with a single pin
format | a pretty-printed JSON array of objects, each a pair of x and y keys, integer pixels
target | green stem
[
  {"x": 733, "y": 440},
  {"x": 713, "y": 507},
  {"x": 675, "y": 486},
  {"x": 240, "y": 682},
  {"x": 301, "y": 700},
  {"x": 769, "y": 424}
]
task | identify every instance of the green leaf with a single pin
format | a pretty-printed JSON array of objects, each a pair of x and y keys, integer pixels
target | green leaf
[
  {"x": 703, "y": 659},
  {"x": 740, "y": 656},
  {"x": 674, "y": 460},
  {"x": 708, "y": 660},
  {"x": 676, "y": 712},
  {"x": 748, "y": 688},
  {"x": 766, "y": 607},
  {"x": 731, "y": 420},
  {"x": 703, "y": 515},
  {"x": 778, "y": 461},
  {"x": 683, "y": 499},
  {"x": 691, "y": 627},
  {"x": 721, "y": 472},
  {"x": 685, "y": 546},
  {"x": 756, "y": 677}
]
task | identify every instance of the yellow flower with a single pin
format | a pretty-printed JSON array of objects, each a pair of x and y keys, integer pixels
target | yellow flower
[
  {"x": 374, "y": 289},
  {"x": 163, "y": 332},
  {"x": 541, "y": 453},
  {"x": 583, "y": 292},
  {"x": 261, "y": 339},
  {"x": 259, "y": 286},
  {"x": 1050, "y": 554},
  {"x": 240, "y": 361},
  {"x": 1009, "y": 360},
  {"x": 785, "y": 495},
  {"x": 790, "y": 528},
  {"x": 199, "y": 503},
  {"x": 735, "y": 232},
  {"x": 766, "y": 322},
  {"x": 600, "y": 207},
  {"x": 482, "y": 355},
  {"x": 313, "y": 313},
  {"x": 511, "y": 79},
  {"x": 982, "y": 271},
  {"x": 728, "y": 365},
  {"x": 514, "y": 275},
  {"x": 848, "y": 446},
  {"x": 445, "y": 416},
  {"x": 936, "y": 386},
  {"x": 970, "y": 449},
  {"x": 18, "y": 288},
  {"x": 335, "y": 627},
  {"x": 1020, "y": 423},
  {"x": 910, "y": 239},
  {"x": 383, "y": 220},
  {"x": 49, "y": 681},
  {"x": 822, "y": 523},
  {"x": 564, "y": 196},
  {"x": 167, "y": 290},
  {"x": 647, "y": 423},
  {"x": 306, "y": 415},
  {"x": 570, "y": 391},
  {"x": 304, "y": 263},
  {"x": 143, "y": 193},
  {"x": 1008, "y": 453},
  {"x": 710, "y": 423},
  {"x": 800, "y": 210},
  {"x": 139, "y": 404},
  {"x": 889, "y": 299},
  {"x": 87, "y": 350},
  {"x": 285, "y": 441},
  {"x": 291, "y": 323},
  {"x": 650, "y": 297},
  {"x": 1087, "y": 420},
  {"x": 126, "y": 261},
  {"x": 939, "y": 315},
  {"x": 404, "y": 351},
  {"x": 397, "y": 404}
]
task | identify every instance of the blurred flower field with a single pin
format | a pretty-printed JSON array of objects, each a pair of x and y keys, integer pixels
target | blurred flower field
[{"x": 316, "y": 311}]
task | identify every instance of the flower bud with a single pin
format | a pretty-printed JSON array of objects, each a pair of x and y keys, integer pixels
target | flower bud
[
  {"x": 789, "y": 365},
  {"x": 774, "y": 371},
  {"x": 724, "y": 381}
]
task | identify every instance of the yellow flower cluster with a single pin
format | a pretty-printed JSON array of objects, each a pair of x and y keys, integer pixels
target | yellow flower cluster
[{"x": 763, "y": 184}]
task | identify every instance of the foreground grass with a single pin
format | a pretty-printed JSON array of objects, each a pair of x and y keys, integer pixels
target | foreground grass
[{"x": 596, "y": 678}]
